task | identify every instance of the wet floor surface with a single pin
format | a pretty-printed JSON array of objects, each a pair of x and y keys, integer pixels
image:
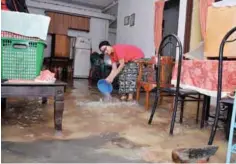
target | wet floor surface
[{"x": 96, "y": 131}]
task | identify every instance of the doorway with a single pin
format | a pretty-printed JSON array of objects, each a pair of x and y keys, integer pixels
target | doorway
[
  {"x": 170, "y": 17},
  {"x": 170, "y": 23}
]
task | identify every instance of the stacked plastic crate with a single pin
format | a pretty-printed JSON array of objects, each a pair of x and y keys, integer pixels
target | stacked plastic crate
[{"x": 21, "y": 56}]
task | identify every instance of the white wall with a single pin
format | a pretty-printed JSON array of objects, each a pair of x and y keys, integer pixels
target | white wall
[
  {"x": 99, "y": 29},
  {"x": 112, "y": 36},
  {"x": 142, "y": 34},
  {"x": 182, "y": 20}
]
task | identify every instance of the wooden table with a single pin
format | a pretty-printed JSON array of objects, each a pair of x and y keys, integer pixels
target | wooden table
[
  {"x": 202, "y": 76},
  {"x": 37, "y": 90}
]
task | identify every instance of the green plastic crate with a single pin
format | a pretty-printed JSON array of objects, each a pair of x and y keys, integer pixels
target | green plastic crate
[{"x": 21, "y": 59}]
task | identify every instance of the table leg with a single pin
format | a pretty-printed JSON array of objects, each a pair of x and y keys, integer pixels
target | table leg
[
  {"x": 208, "y": 104},
  {"x": 44, "y": 100},
  {"x": 205, "y": 110},
  {"x": 3, "y": 106},
  {"x": 228, "y": 121},
  {"x": 58, "y": 108}
]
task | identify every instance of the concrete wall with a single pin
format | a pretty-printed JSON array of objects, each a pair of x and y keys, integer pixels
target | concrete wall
[{"x": 141, "y": 34}]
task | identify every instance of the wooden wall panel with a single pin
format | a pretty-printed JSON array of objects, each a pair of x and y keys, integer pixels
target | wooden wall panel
[
  {"x": 62, "y": 46},
  {"x": 74, "y": 23},
  {"x": 60, "y": 23},
  {"x": 59, "y": 26},
  {"x": 67, "y": 22},
  {"x": 51, "y": 25}
]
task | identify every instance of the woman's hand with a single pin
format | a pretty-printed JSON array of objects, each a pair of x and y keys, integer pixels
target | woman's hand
[{"x": 109, "y": 79}]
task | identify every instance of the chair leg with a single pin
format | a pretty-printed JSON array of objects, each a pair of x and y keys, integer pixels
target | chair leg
[
  {"x": 214, "y": 127},
  {"x": 138, "y": 93},
  {"x": 172, "y": 105},
  {"x": 208, "y": 101},
  {"x": 3, "y": 106},
  {"x": 174, "y": 114},
  {"x": 228, "y": 121},
  {"x": 90, "y": 76},
  {"x": 44, "y": 100},
  {"x": 203, "y": 112},
  {"x": 147, "y": 100},
  {"x": 154, "y": 107},
  {"x": 182, "y": 110},
  {"x": 161, "y": 98},
  {"x": 198, "y": 108}
]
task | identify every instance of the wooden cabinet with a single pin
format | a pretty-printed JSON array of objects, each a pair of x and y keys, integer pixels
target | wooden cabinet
[
  {"x": 62, "y": 46},
  {"x": 59, "y": 27},
  {"x": 60, "y": 23},
  {"x": 66, "y": 22},
  {"x": 51, "y": 25},
  {"x": 80, "y": 23}
]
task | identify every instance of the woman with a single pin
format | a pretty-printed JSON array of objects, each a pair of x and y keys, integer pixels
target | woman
[{"x": 124, "y": 55}]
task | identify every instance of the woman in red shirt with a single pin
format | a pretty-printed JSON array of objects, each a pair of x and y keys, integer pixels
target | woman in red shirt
[{"x": 127, "y": 70}]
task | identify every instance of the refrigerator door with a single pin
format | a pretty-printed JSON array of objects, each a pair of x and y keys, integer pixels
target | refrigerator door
[
  {"x": 72, "y": 47},
  {"x": 82, "y": 43},
  {"x": 81, "y": 63}
]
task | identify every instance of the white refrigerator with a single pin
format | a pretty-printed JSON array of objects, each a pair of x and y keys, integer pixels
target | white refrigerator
[{"x": 82, "y": 49}]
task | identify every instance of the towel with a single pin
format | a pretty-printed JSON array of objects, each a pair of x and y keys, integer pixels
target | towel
[{"x": 31, "y": 25}]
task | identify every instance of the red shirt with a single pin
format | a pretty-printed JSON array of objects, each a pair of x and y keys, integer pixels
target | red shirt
[{"x": 127, "y": 52}]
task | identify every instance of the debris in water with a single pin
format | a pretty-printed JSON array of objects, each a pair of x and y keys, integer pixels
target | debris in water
[
  {"x": 58, "y": 134},
  {"x": 193, "y": 155},
  {"x": 124, "y": 143},
  {"x": 106, "y": 103}
]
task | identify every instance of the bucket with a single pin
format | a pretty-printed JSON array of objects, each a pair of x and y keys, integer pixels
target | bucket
[{"x": 104, "y": 87}]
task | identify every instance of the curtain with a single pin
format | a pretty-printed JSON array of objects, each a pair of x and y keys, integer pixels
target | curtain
[
  {"x": 159, "y": 8},
  {"x": 203, "y": 6}
]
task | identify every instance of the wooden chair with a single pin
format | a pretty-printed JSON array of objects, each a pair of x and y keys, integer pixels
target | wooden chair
[
  {"x": 147, "y": 76},
  {"x": 171, "y": 44}
]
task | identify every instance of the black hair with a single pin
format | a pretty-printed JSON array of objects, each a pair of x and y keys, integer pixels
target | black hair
[{"x": 104, "y": 43}]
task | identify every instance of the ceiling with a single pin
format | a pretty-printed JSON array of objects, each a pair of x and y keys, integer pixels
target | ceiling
[{"x": 98, "y": 4}]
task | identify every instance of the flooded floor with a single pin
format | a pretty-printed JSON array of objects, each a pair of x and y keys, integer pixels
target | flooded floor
[{"x": 96, "y": 131}]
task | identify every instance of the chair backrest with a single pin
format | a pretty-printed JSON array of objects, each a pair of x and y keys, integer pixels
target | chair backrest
[
  {"x": 224, "y": 41},
  {"x": 170, "y": 46}
]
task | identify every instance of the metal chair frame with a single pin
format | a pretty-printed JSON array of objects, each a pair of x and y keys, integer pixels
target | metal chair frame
[
  {"x": 219, "y": 86},
  {"x": 179, "y": 93}
]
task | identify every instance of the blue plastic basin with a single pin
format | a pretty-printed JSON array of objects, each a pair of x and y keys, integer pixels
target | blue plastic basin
[{"x": 104, "y": 87}]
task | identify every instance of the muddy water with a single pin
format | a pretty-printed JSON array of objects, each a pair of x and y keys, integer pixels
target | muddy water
[{"x": 87, "y": 115}]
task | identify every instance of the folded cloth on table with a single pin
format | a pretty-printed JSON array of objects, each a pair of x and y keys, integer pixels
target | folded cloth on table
[{"x": 45, "y": 77}]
